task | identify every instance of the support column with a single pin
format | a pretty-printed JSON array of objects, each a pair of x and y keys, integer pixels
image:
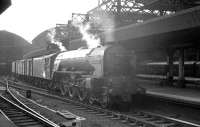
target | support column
[
  {"x": 119, "y": 6},
  {"x": 133, "y": 63},
  {"x": 119, "y": 9},
  {"x": 169, "y": 75},
  {"x": 181, "y": 68}
]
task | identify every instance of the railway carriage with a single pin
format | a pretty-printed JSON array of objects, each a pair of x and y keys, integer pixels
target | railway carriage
[{"x": 158, "y": 70}]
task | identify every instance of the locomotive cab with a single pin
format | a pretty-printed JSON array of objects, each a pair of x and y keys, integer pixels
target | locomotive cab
[
  {"x": 119, "y": 75},
  {"x": 116, "y": 62}
]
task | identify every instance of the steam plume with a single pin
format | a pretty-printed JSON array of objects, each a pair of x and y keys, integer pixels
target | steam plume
[
  {"x": 92, "y": 41},
  {"x": 51, "y": 35}
]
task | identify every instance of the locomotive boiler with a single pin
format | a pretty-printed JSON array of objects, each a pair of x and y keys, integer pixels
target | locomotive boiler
[{"x": 99, "y": 74}]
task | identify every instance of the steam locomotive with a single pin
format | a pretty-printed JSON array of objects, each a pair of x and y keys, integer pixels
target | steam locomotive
[{"x": 100, "y": 74}]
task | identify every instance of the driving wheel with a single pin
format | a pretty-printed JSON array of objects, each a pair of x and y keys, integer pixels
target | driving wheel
[
  {"x": 63, "y": 89},
  {"x": 105, "y": 100},
  {"x": 71, "y": 92},
  {"x": 82, "y": 93}
]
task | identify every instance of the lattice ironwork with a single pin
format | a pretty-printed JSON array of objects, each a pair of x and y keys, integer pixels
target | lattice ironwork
[
  {"x": 118, "y": 6},
  {"x": 133, "y": 5},
  {"x": 134, "y": 11},
  {"x": 66, "y": 32},
  {"x": 87, "y": 18},
  {"x": 79, "y": 17},
  {"x": 170, "y": 5},
  {"x": 122, "y": 11}
]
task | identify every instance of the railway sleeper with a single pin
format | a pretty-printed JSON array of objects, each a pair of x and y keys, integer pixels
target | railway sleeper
[
  {"x": 153, "y": 119},
  {"x": 12, "y": 112},
  {"x": 9, "y": 109},
  {"x": 102, "y": 114},
  {"x": 16, "y": 115},
  {"x": 20, "y": 118},
  {"x": 109, "y": 116},
  {"x": 133, "y": 124},
  {"x": 171, "y": 125},
  {"x": 29, "y": 124},
  {"x": 23, "y": 121}
]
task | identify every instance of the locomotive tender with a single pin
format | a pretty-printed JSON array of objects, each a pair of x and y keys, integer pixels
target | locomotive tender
[{"x": 100, "y": 74}]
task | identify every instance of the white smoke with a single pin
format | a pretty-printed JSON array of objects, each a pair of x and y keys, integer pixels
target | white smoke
[
  {"x": 51, "y": 35},
  {"x": 92, "y": 41}
]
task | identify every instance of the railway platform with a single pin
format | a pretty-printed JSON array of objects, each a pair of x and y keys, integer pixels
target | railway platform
[
  {"x": 189, "y": 96},
  {"x": 4, "y": 121}
]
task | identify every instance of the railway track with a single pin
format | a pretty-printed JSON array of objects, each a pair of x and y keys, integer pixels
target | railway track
[
  {"x": 135, "y": 119},
  {"x": 22, "y": 117}
]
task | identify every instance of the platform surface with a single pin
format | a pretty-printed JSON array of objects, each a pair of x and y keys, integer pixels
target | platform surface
[
  {"x": 5, "y": 122},
  {"x": 186, "y": 95}
]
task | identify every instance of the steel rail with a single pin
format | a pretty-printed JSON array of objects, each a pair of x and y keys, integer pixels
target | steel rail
[
  {"x": 20, "y": 116},
  {"x": 26, "y": 107},
  {"x": 135, "y": 119}
]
